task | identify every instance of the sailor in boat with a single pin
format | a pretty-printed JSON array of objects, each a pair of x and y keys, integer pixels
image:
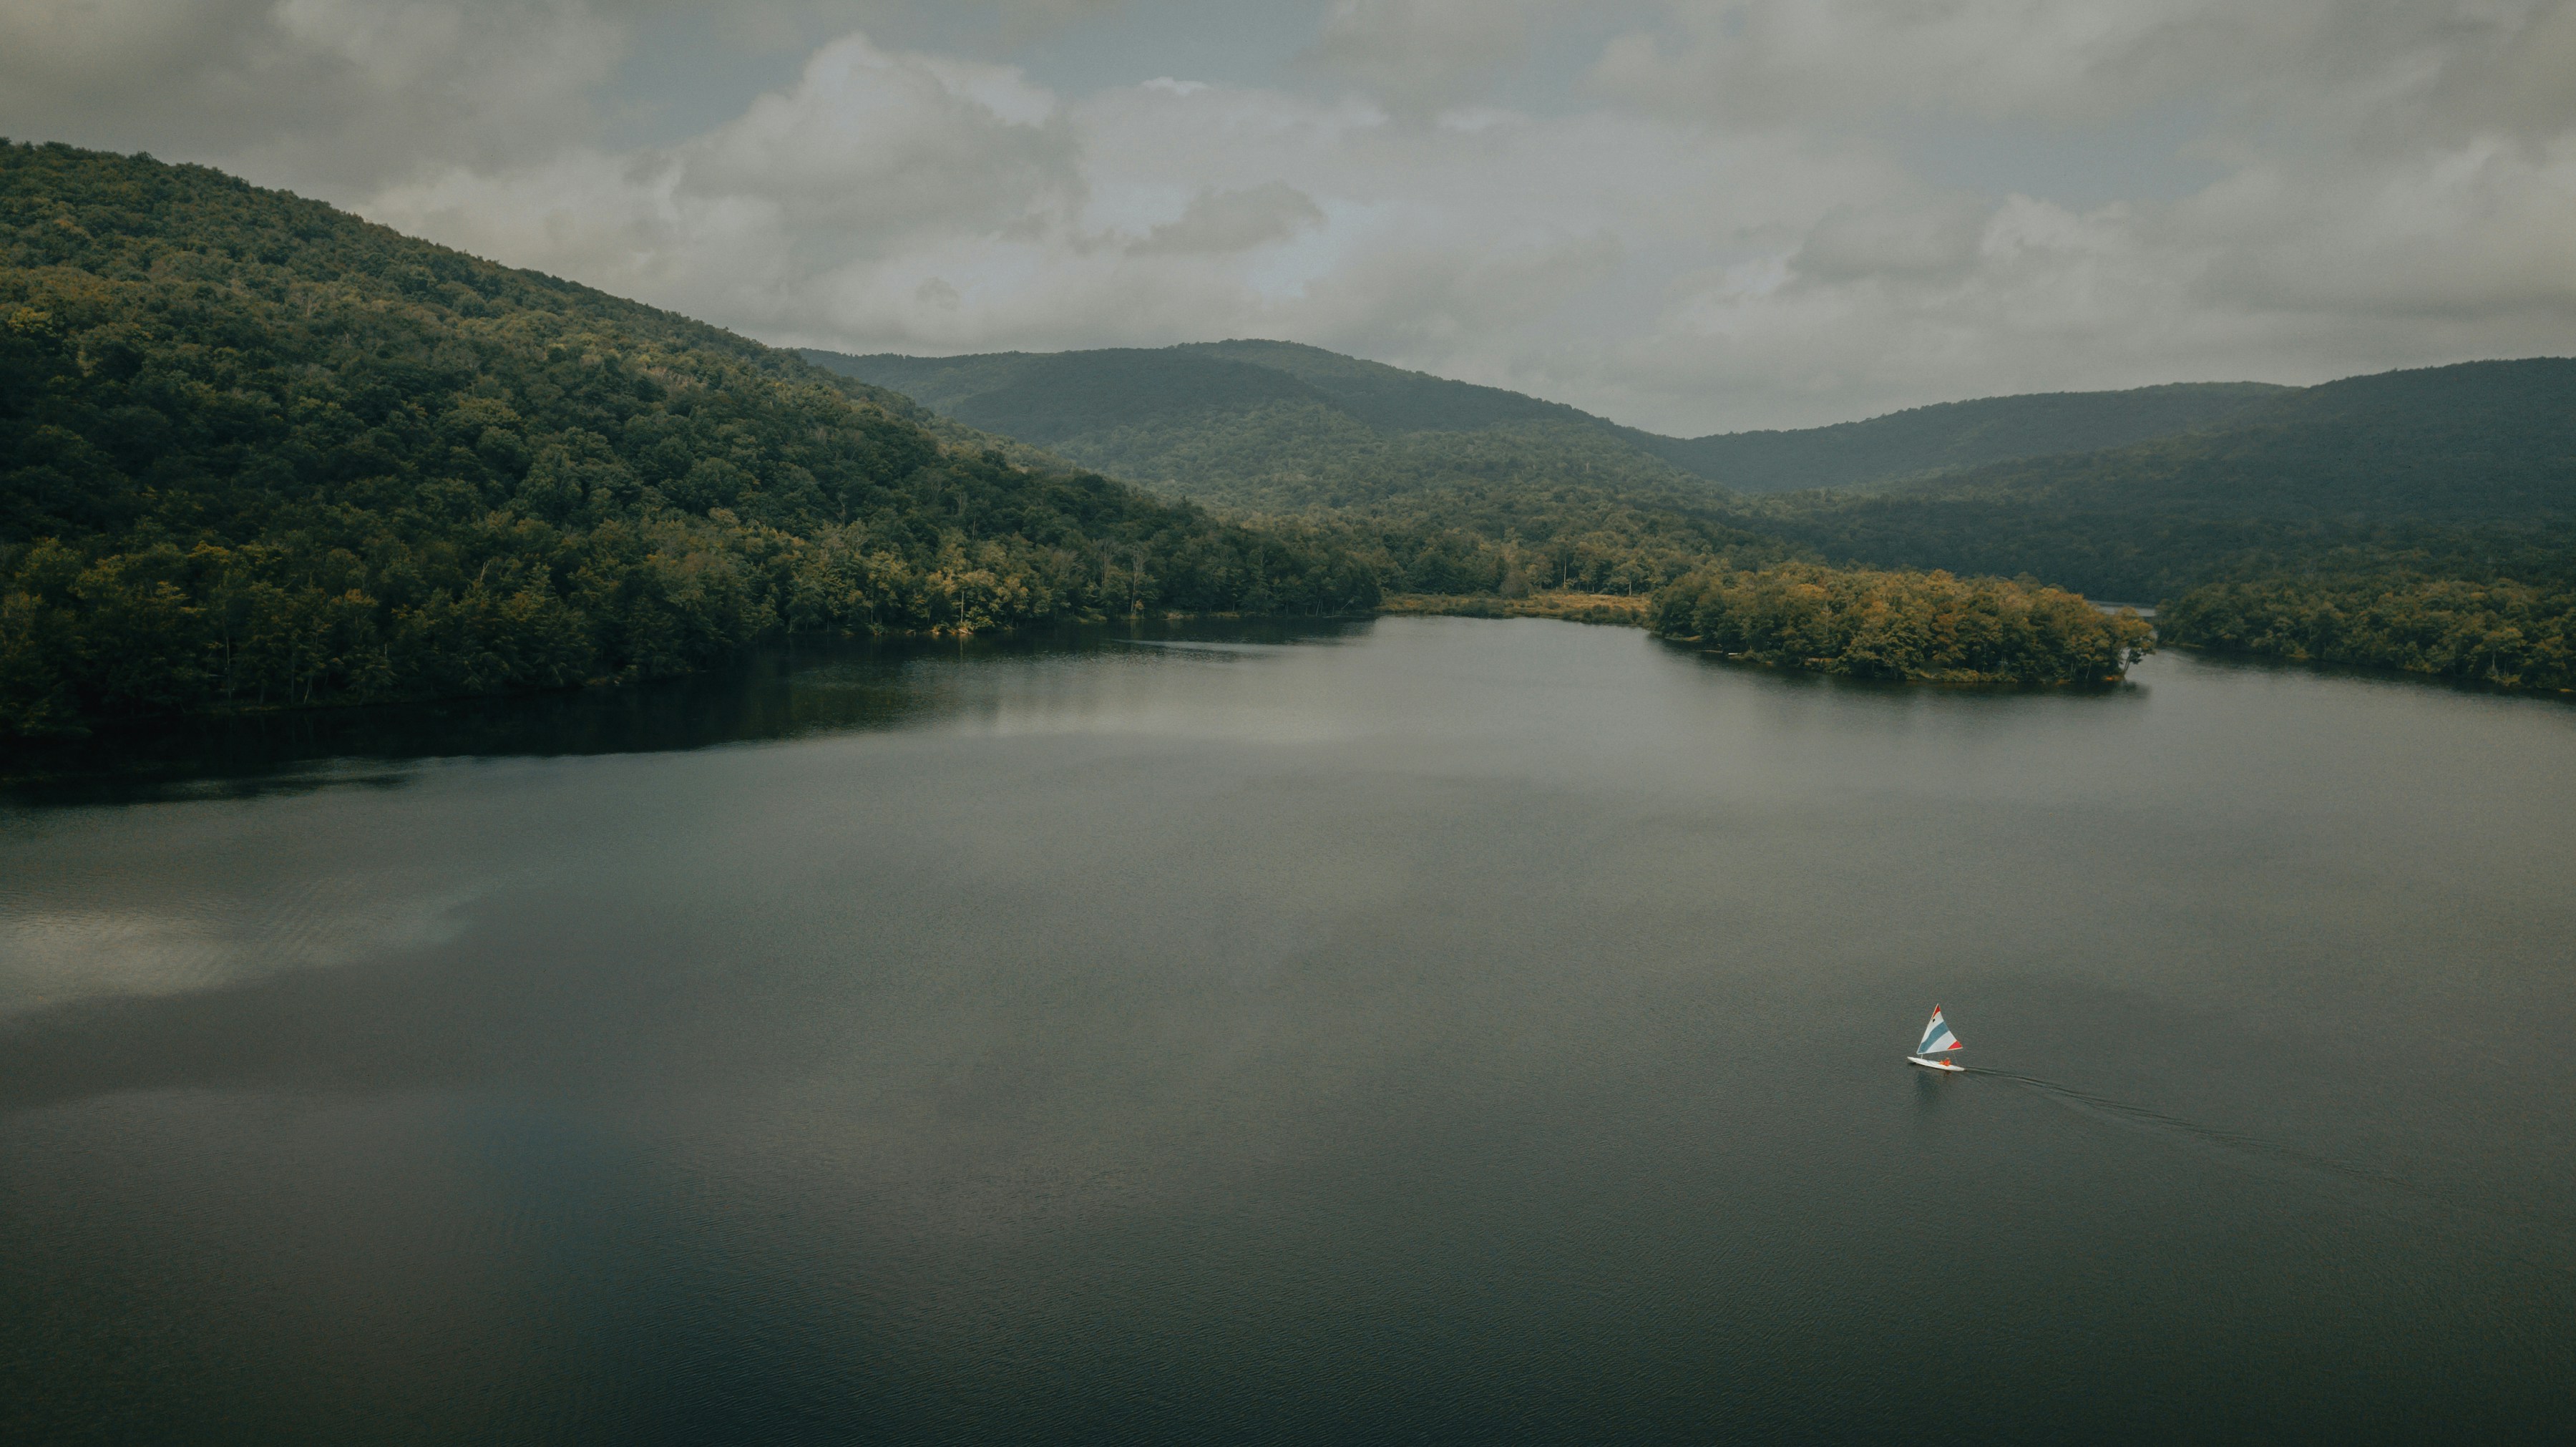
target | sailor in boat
[{"x": 1937, "y": 1042}]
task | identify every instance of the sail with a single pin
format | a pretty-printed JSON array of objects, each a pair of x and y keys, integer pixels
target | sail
[{"x": 1937, "y": 1036}]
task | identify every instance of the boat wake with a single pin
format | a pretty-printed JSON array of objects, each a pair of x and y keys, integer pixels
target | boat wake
[
  {"x": 2236, "y": 1143},
  {"x": 2535, "y": 1243}
]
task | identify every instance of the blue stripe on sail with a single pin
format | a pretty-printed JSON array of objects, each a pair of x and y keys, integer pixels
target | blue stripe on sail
[{"x": 1942, "y": 1040}]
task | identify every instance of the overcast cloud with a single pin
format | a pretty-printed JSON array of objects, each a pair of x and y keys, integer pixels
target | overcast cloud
[{"x": 1691, "y": 216}]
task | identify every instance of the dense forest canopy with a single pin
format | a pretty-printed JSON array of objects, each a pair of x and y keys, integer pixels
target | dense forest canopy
[
  {"x": 1445, "y": 487},
  {"x": 1949, "y": 436},
  {"x": 1092, "y": 391},
  {"x": 1274, "y": 427},
  {"x": 2355, "y": 520},
  {"x": 1134, "y": 411},
  {"x": 1393, "y": 399},
  {"x": 2497, "y": 631},
  {"x": 2422, "y": 520},
  {"x": 1869, "y": 623},
  {"x": 253, "y": 449},
  {"x": 1050, "y": 399},
  {"x": 2467, "y": 469},
  {"x": 2479, "y": 442}
]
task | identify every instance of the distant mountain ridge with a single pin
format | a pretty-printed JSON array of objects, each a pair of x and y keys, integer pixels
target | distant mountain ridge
[
  {"x": 1467, "y": 489},
  {"x": 2464, "y": 470},
  {"x": 1277, "y": 427},
  {"x": 2475, "y": 442},
  {"x": 1048, "y": 397},
  {"x": 1144, "y": 413},
  {"x": 1949, "y": 436},
  {"x": 2312, "y": 502}
]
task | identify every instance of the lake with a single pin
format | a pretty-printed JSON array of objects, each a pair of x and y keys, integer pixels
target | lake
[{"x": 1425, "y": 1030}]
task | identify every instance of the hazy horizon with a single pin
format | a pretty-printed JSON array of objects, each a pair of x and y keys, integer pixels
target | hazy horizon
[{"x": 1690, "y": 217}]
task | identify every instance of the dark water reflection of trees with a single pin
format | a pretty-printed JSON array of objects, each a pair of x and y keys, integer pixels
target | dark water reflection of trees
[{"x": 783, "y": 691}]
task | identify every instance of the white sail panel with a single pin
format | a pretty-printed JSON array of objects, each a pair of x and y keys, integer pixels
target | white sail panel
[{"x": 1937, "y": 1036}]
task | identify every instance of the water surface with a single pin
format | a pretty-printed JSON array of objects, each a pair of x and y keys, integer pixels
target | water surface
[{"x": 1426, "y": 1030}]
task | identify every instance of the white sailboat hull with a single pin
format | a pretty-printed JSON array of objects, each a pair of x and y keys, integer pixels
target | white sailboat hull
[{"x": 1943, "y": 1065}]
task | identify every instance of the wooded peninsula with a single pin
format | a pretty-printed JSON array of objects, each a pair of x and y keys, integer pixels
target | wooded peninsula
[{"x": 1874, "y": 623}]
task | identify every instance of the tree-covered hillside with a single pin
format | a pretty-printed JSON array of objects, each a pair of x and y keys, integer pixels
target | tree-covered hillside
[
  {"x": 2420, "y": 520},
  {"x": 1075, "y": 394},
  {"x": 2341, "y": 515},
  {"x": 1449, "y": 488},
  {"x": 2467, "y": 470},
  {"x": 1272, "y": 426},
  {"x": 255, "y": 450},
  {"x": 1050, "y": 399},
  {"x": 1952, "y": 435},
  {"x": 2476, "y": 443},
  {"x": 1392, "y": 399},
  {"x": 2497, "y": 630},
  {"x": 1159, "y": 416}
]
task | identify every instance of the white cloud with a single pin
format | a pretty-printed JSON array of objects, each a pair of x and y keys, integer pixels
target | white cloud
[
  {"x": 2483, "y": 228},
  {"x": 1845, "y": 60},
  {"x": 2376, "y": 73},
  {"x": 1421, "y": 55},
  {"x": 1934, "y": 239},
  {"x": 1227, "y": 221},
  {"x": 869, "y": 146},
  {"x": 870, "y": 157},
  {"x": 317, "y": 93}
]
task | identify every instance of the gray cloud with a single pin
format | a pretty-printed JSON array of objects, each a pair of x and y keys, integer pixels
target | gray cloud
[
  {"x": 1218, "y": 222},
  {"x": 1750, "y": 213},
  {"x": 2379, "y": 71},
  {"x": 1936, "y": 240},
  {"x": 321, "y": 93},
  {"x": 871, "y": 157},
  {"x": 870, "y": 144},
  {"x": 1848, "y": 61},
  {"x": 1421, "y": 55}
]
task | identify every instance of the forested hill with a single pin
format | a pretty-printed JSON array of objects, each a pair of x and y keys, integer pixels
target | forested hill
[
  {"x": 2422, "y": 520},
  {"x": 2478, "y": 442},
  {"x": 1048, "y": 397},
  {"x": 1281, "y": 426},
  {"x": 1450, "y": 488},
  {"x": 2466, "y": 469},
  {"x": 255, "y": 450},
  {"x": 2415, "y": 519},
  {"x": 1273, "y": 426},
  {"x": 1954, "y": 435}
]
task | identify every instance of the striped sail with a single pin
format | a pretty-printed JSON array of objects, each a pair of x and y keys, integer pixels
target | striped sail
[{"x": 1937, "y": 1036}]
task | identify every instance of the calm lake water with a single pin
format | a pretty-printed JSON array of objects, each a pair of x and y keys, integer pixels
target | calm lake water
[{"x": 1423, "y": 1030}]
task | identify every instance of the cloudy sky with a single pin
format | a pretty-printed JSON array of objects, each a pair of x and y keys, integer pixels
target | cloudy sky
[{"x": 1691, "y": 215}]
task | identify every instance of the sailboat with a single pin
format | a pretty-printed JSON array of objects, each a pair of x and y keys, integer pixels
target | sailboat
[{"x": 1937, "y": 1041}]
